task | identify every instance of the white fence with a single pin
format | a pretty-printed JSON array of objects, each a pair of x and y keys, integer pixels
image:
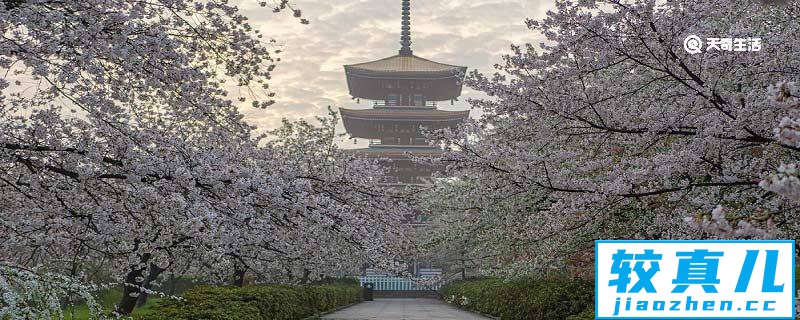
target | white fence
[{"x": 388, "y": 283}]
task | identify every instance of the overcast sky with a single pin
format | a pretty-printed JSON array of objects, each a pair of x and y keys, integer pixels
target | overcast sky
[{"x": 310, "y": 77}]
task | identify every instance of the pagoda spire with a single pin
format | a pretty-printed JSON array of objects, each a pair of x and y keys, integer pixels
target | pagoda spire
[{"x": 405, "y": 35}]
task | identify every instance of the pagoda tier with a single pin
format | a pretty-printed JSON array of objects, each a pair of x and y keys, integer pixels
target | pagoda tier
[
  {"x": 399, "y": 78},
  {"x": 401, "y": 169},
  {"x": 397, "y": 152},
  {"x": 405, "y": 89},
  {"x": 397, "y": 123}
]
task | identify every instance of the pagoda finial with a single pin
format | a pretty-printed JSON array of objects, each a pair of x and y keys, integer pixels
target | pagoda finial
[{"x": 405, "y": 35}]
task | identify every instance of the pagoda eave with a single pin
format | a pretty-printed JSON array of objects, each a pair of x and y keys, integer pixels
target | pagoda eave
[
  {"x": 405, "y": 114},
  {"x": 455, "y": 74},
  {"x": 404, "y": 64},
  {"x": 403, "y": 74},
  {"x": 398, "y": 153},
  {"x": 374, "y": 87},
  {"x": 376, "y": 123}
]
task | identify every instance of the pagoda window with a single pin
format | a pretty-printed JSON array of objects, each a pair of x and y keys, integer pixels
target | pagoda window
[
  {"x": 389, "y": 140},
  {"x": 392, "y": 99},
  {"x": 419, "y": 100},
  {"x": 406, "y": 100}
]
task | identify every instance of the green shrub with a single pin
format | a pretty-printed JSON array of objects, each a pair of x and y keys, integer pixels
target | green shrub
[
  {"x": 259, "y": 302},
  {"x": 797, "y": 278},
  {"x": 526, "y": 298},
  {"x": 177, "y": 285},
  {"x": 587, "y": 314}
]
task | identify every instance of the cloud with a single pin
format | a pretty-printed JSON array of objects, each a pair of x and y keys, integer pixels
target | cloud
[{"x": 310, "y": 76}]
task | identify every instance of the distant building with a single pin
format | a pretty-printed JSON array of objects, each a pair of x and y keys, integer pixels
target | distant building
[{"x": 405, "y": 90}]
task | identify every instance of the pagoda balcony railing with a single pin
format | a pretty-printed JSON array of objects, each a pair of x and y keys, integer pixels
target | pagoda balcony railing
[
  {"x": 389, "y": 180},
  {"x": 378, "y": 143},
  {"x": 390, "y": 283},
  {"x": 383, "y": 104}
]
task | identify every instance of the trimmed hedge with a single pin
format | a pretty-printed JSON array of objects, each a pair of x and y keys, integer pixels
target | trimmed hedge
[
  {"x": 525, "y": 298},
  {"x": 797, "y": 278},
  {"x": 258, "y": 302},
  {"x": 587, "y": 314}
]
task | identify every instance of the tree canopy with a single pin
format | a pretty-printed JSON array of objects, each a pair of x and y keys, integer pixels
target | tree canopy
[
  {"x": 609, "y": 129},
  {"x": 122, "y": 146}
]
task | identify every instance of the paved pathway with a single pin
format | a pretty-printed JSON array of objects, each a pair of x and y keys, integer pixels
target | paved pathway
[{"x": 403, "y": 309}]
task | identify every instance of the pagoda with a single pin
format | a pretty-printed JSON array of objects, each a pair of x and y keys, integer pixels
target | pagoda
[{"x": 405, "y": 90}]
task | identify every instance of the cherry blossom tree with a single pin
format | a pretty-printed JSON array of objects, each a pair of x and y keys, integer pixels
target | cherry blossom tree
[
  {"x": 122, "y": 146},
  {"x": 785, "y": 181},
  {"x": 610, "y": 129},
  {"x": 472, "y": 231}
]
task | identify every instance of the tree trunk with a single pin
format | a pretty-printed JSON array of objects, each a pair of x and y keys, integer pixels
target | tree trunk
[
  {"x": 306, "y": 276},
  {"x": 128, "y": 302},
  {"x": 172, "y": 283},
  {"x": 464, "y": 262},
  {"x": 131, "y": 286},
  {"x": 155, "y": 271},
  {"x": 238, "y": 275}
]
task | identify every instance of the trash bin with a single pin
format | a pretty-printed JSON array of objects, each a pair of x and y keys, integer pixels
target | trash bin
[{"x": 367, "y": 291}]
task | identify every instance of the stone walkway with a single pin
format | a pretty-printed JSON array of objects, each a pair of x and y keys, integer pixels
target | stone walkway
[{"x": 403, "y": 309}]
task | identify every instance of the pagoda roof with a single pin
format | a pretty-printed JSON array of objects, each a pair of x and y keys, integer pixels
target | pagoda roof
[
  {"x": 405, "y": 73},
  {"x": 367, "y": 123},
  {"x": 405, "y": 66},
  {"x": 396, "y": 152},
  {"x": 404, "y": 113}
]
